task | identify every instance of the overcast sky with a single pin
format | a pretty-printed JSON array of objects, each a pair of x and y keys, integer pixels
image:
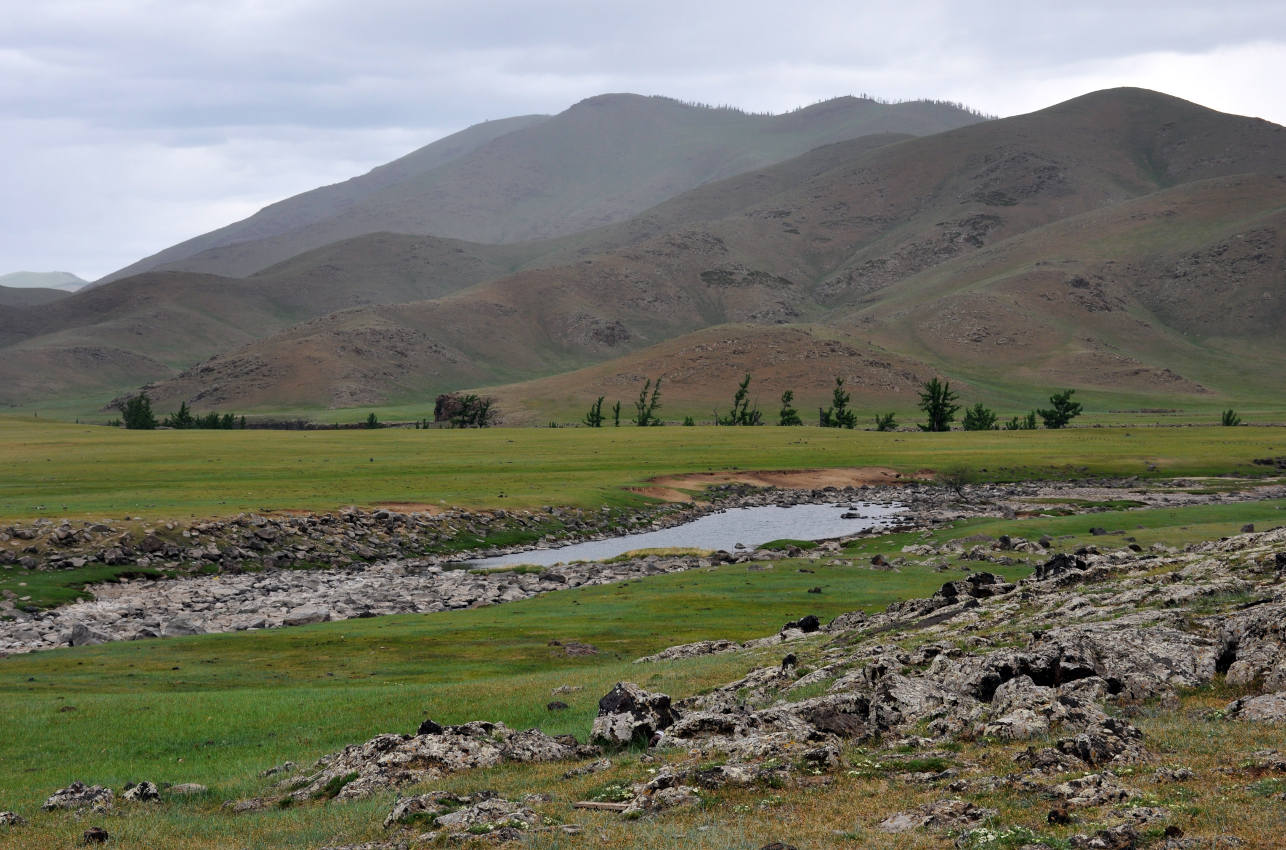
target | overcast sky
[{"x": 129, "y": 125}]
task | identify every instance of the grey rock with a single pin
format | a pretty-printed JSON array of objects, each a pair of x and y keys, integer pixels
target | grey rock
[
  {"x": 940, "y": 816},
  {"x": 306, "y": 615},
  {"x": 630, "y": 714},
  {"x": 1265, "y": 708},
  {"x": 80, "y": 796},
  {"x": 142, "y": 792}
]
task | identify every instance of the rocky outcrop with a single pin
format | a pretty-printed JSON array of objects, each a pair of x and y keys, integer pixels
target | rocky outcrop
[
  {"x": 391, "y": 760},
  {"x": 79, "y": 796},
  {"x": 630, "y": 715},
  {"x": 144, "y": 608},
  {"x": 1265, "y": 708}
]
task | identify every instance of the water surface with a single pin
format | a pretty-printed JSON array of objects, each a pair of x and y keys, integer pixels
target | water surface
[{"x": 724, "y": 530}]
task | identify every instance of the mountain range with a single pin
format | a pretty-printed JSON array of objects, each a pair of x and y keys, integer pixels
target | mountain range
[{"x": 1125, "y": 242}]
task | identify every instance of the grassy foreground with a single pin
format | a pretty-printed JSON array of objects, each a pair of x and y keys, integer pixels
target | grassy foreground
[
  {"x": 217, "y": 709},
  {"x": 58, "y": 469}
]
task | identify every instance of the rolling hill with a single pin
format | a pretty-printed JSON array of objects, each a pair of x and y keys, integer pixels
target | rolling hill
[
  {"x": 537, "y": 177},
  {"x": 1125, "y": 240}
]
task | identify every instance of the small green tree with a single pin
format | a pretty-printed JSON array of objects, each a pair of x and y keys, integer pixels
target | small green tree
[
  {"x": 742, "y": 413},
  {"x": 594, "y": 418},
  {"x": 885, "y": 422},
  {"x": 1061, "y": 411},
  {"x": 689, "y": 422},
  {"x": 1230, "y": 418},
  {"x": 136, "y": 412},
  {"x": 648, "y": 403},
  {"x": 182, "y": 418},
  {"x": 1022, "y": 423},
  {"x": 616, "y": 415},
  {"x": 979, "y": 418},
  {"x": 838, "y": 415},
  {"x": 372, "y": 421},
  {"x": 937, "y": 400},
  {"x": 788, "y": 415}
]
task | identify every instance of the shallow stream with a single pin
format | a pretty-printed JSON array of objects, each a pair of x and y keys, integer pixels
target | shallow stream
[{"x": 724, "y": 530}]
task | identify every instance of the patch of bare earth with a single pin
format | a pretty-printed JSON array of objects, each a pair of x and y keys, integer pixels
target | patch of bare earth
[{"x": 683, "y": 488}]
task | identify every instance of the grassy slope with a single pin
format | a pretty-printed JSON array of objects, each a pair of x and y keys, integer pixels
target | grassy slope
[
  {"x": 56, "y": 469},
  {"x": 217, "y": 709}
]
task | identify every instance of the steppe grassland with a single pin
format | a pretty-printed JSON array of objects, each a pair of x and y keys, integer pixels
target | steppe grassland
[
  {"x": 217, "y": 709},
  {"x": 57, "y": 469}
]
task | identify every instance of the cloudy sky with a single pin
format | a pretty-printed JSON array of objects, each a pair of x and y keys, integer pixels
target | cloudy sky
[{"x": 129, "y": 125}]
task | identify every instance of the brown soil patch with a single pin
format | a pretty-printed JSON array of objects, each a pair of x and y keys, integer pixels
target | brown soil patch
[
  {"x": 671, "y": 488},
  {"x": 411, "y": 507}
]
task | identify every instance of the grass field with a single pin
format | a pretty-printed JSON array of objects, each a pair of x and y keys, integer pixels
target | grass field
[
  {"x": 217, "y": 709},
  {"x": 59, "y": 469}
]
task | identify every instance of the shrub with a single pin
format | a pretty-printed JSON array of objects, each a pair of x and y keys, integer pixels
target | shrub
[
  {"x": 885, "y": 422},
  {"x": 181, "y": 419},
  {"x": 136, "y": 412},
  {"x": 979, "y": 418},
  {"x": 1061, "y": 411},
  {"x": 1230, "y": 418},
  {"x": 1024, "y": 423},
  {"x": 464, "y": 411}
]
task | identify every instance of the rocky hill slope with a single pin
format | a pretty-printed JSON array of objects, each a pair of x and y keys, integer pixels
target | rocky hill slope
[
  {"x": 535, "y": 177},
  {"x": 1079, "y": 245}
]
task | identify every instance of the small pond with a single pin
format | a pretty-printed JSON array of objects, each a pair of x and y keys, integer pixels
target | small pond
[{"x": 723, "y": 530}]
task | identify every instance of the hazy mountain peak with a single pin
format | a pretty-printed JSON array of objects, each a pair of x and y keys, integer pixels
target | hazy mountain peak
[{"x": 47, "y": 280}]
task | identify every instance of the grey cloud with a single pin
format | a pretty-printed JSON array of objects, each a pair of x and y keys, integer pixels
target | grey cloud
[{"x": 213, "y": 84}]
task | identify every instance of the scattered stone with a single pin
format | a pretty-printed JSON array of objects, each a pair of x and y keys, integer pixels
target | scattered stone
[
  {"x": 586, "y": 769},
  {"x": 94, "y": 835},
  {"x": 391, "y": 761},
  {"x": 12, "y": 819},
  {"x": 186, "y": 789},
  {"x": 1266, "y": 708},
  {"x": 940, "y": 816},
  {"x": 576, "y": 649},
  {"x": 142, "y": 792},
  {"x": 628, "y": 714},
  {"x": 806, "y": 624},
  {"x": 80, "y": 796},
  {"x": 557, "y": 705},
  {"x": 284, "y": 767}
]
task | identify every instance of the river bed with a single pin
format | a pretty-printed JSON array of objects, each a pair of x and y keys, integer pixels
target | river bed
[{"x": 724, "y": 530}]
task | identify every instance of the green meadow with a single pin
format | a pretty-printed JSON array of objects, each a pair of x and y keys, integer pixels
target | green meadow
[
  {"x": 217, "y": 709},
  {"x": 60, "y": 469}
]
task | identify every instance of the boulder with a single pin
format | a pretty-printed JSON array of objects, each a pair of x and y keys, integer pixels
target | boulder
[
  {"x": 181, "y": 625},
  {"x": 391, "y": 761},
  {"x": 12, "y": 819},
  {"x": 1266, "y": 708},
  {"x": 940, "y": 816},
  {"x": 142, "y": 792},
  {"x": 83, "y": 635},
  {"x": 306, "y": 615},
  {"x": 94, "y": 835},
  {"x": 628, "y": 714},
  {"x": 79, "y": 796}
]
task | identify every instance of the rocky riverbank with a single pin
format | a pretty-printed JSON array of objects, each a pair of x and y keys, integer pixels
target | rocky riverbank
[
  {"x": 1048, "y": 670},
  {"x": 245, "y": 572}
]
